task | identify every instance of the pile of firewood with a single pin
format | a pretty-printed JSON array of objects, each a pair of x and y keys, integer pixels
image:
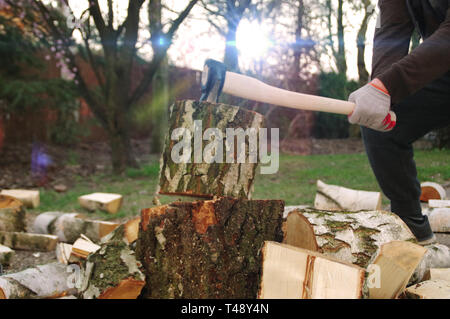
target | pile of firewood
[{"x": 226, "y": 245}]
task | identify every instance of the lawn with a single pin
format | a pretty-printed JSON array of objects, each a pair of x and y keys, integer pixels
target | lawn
[{"x": 294, "y": 182}]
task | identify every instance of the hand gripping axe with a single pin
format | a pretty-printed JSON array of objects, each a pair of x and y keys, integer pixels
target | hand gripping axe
[{"x": 216, "y": 79}]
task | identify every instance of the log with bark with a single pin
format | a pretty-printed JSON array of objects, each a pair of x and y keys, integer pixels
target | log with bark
[
  {"x": 439, "y": 219},
  {"x": 333, "y": 197},
  {"x": 70, "y": 226},
  {"x": 207, "y": 172},
  {"x": 206, "y": 249},
  {"x": 430, "y": 289},
  {"x": 112, "y": 272},
  {"x": 290, "y": 272},
  {"x": 47, "y": 281},
  {"x": 28, "y": 241},
  {"x": 107, "y": 202},
  {"x": 431, "y": 190},
  {"x": 352, "y": 237},
  {"x": 12, "y": 214},
  {"x": 6, "y": 255},
  {"x": 436, "y": 256},
  {"x": 30, "y": 198},
  {"x": 392, "y": 269}
]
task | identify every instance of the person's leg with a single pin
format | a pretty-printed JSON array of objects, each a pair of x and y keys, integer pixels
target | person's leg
[{"x": 391, "y": 154}]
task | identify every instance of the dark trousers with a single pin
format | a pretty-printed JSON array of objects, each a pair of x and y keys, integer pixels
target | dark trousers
[{"x": 391, "y": 154}]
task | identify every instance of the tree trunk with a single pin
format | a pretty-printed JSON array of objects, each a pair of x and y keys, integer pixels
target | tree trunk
[
  {"x": 361, "y": 44},
  {"x": 47, "y": 281},
  {"x": 231, "y": 58},
  {"x": 160, "y": 101},
  {"x": 353, "y": 237},
  {"x": 112, "y": 272},
  {"x": 206, "y": 249},
  {"x": 340, "y": 58},
  {"x": 12, "y": 214},
  {"x": 195, "y": 176}
]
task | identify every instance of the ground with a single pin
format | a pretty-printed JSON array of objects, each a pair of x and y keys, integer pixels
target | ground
[{"x": 86, "y": 168}]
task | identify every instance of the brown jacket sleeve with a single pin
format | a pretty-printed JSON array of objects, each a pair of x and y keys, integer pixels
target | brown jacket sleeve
[{"x": 403, "y": 73}]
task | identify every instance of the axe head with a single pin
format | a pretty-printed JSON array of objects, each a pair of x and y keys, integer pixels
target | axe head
[{"x": 213, "y": 78}]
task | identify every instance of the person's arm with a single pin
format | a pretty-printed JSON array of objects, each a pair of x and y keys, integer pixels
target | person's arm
[{"x": 401, "y": 73}]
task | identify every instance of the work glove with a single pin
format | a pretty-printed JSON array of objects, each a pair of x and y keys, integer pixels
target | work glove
[{"x": 372, "y": 108}]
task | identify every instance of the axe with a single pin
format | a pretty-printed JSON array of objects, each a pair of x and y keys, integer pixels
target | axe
[{"x": 216, "y": 79}]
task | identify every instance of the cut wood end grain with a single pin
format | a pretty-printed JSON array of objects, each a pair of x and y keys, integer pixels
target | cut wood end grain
[
  {"x": 107, "y": 202},
  {"x": 128, "y": 288},
  {"x": 431, "y": 190},
  {"x": 30, "y": 198}
]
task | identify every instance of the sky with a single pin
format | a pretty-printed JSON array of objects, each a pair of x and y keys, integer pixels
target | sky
[{"x": 197, "y": 41}]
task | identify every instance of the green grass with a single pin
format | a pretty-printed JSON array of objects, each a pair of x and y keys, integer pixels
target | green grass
[{"x": 295, "y": 181}]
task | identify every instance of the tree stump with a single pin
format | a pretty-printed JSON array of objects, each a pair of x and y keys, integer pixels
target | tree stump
[
  {"x": 354, "y": 237},
  {"x": 207, "y": 173},
  {"x": 206, "y": 249},
  {"x": 12, "y": 214}
]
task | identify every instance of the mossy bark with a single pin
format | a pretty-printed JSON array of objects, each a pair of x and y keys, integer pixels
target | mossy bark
[
  {"x": 206, "y": 249},
  {"x": 110, "y": 267},
  {"x": 353, "y": 237},
  {"x": 203, "y": 179},
  {"x": 28, "y": 241},
  {"x": 12, "y": 214}
]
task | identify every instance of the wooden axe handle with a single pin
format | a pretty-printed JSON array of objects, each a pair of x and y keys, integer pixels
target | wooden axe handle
[{"x": 252, "y": 89}]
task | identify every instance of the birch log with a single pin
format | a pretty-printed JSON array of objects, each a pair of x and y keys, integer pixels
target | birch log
[
  {"x": 206, "y": 249},
  {"x": 333, "y": 197},
  {"x": 112, "y": 272},
  {"x": 205, "y": 170},
  {"x": 353, "y": 237},
  {"x": 47, "y": 281},
  {"x": 28, "y": 241},
  {"x": 70, "y": 226},
  {"x": 12, "y": 214},
  {"x": 436, "y": 256}
]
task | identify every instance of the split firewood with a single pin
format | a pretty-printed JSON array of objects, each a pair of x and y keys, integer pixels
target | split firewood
[
  {"x": 47, "y": 281},
  {"x": 436, "y": 256},
  {"x": 28, "y": 241},
  {"x": 353, "y": 237},
  {"x": 12, "y": 214},
  {"x": 82, "y": 247},
  {"x": 63, "y": 252},
  {"x": 112, "y": 272},
  {"x": 30, "y": 198},
  {"x": 69, "y": 226},
  {"x": 430, "y": 289},
  {"x": 204, "y": 170},
  {"x": 431, "y": 190},
  {"x": 206, "y": 249},
  {"x": 6, "y": 254},
  {"x": 436, "y": 203},
  {"x": 393, "y": 267},
  {"x": 107, "y": 202},
  {"x": 437, "y": 274},
  {"x": 332, "y": 197},
  {"x": 293, "y": 273},
  {"x": 132, "y": 229}
]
